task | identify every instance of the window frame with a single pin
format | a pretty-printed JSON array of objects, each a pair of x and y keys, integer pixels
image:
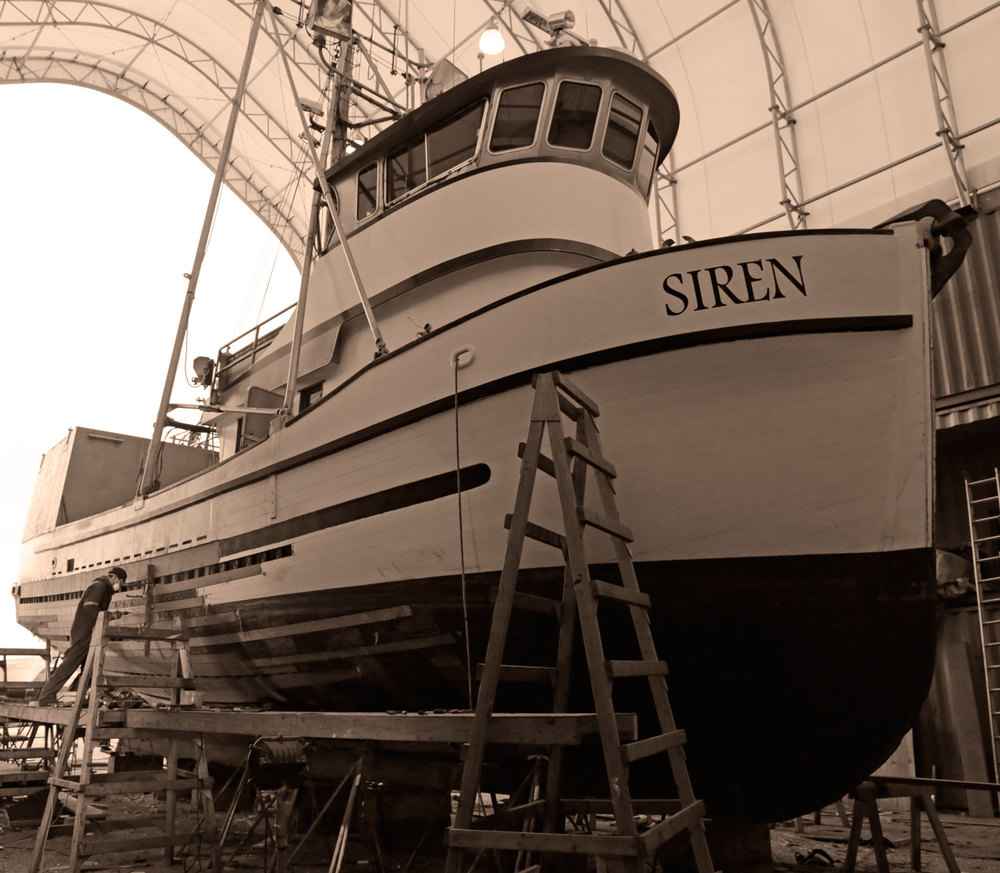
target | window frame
[
  {"x": 649, "y": 126},
  {"x": 485, "y": 103},
  {"x": 329, "y": 234},
  {"x": 640, "y": 133},
  {"x": 377, "y": 164},
  {"x": 389, "y": 156},
  {"x": 597, "y": 115},
  {"x": 497, "y": 98},
  {"x": 310, "y": 391}
]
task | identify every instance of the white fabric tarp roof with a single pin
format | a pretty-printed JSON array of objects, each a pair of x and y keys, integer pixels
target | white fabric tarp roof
[{"x": 793, "y": 113}]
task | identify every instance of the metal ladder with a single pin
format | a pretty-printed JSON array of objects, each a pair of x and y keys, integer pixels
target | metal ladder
[
  {"x": 536, "y": 829},
  {"x": 983, "y": 497}
]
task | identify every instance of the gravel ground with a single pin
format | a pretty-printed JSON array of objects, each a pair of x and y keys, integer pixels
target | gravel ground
[{"x": 975, "y": 842}]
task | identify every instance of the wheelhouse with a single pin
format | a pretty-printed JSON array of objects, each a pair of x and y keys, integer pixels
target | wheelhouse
[{"x": 616, "y": 116}]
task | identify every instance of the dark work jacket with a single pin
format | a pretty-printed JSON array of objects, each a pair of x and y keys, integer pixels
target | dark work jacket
[{"x": 95, "y": 600}]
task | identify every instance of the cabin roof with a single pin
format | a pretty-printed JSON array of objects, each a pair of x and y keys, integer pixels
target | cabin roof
[{"x": 631, "y": 74}]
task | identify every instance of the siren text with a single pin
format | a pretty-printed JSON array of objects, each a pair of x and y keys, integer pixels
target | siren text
[{"x": 725, "y": 284}]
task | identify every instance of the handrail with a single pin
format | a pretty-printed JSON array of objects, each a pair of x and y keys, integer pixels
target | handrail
[{"x": 253, "y": 346}]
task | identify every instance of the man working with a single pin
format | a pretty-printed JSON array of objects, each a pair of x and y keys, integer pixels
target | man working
[{"x": 96, "y": 599}]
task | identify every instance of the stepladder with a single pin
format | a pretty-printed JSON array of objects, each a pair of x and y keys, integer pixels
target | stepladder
[
  {"x": 79, "y": 790},
  {"x": 547, "y": 827},
  {"x": 983, "y": 497}
]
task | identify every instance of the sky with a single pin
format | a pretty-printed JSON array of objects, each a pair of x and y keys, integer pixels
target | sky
[{"x": 101, "y": 208}]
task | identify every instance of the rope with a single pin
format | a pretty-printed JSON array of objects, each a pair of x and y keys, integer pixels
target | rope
[{"x": 461, "y": 531}]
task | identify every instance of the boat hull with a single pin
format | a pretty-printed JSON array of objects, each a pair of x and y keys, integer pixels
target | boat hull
[{"x": 774, "y": 461}]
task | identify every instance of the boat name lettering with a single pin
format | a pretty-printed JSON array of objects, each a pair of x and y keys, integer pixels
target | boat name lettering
[{"x": 724, "y": 284}]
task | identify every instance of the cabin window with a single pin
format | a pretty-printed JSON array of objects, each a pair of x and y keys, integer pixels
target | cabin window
[
  {"x": 367, "y": 191},
  {"x": 575, "y": 115},
  {"x": 517, "y": 117},
  {"x": 647, "y": 158},
  {"x": 454, "y": 142},
  {"x": 326, "y": 228},
  {"x": 310, "y": 396},
  {"x": 622, "y": 135},
  {"x": 406, "y": 169}
]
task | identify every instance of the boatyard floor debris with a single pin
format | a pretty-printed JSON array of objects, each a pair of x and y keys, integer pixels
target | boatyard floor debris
[{"x": 975, "y": 842}]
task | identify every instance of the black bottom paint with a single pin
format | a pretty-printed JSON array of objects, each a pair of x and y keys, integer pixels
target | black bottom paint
[{"x": 794, "y": 677}]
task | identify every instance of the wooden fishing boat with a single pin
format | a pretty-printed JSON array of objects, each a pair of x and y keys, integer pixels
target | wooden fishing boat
[{"x": 766, "y": 399}]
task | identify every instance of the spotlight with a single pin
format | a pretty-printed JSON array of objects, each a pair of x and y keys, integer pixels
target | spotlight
[{"x": 492, "y": 41}]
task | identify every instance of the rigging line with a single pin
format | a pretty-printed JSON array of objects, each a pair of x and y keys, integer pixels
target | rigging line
[
  {"x": 461, "y": 530},
  {"x": 267, "y": 287}
]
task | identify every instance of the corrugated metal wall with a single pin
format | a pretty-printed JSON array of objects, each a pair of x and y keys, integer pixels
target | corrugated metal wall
[
  {"x": 966, "y": 316},
  {"x": 966, "y": 319}
]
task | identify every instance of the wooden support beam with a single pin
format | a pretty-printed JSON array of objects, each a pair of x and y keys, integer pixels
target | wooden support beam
[{"x": 449, "y": 727}]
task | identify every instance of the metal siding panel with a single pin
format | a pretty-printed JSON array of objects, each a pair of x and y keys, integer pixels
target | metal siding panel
[{"x": 967, "y": 317}]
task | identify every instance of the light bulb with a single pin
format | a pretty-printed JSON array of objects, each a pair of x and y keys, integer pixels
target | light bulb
[{"x": 492, "y": 42}]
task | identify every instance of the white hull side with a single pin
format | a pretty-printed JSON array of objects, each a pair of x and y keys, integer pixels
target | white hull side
[{"x": 810, "y": 436}]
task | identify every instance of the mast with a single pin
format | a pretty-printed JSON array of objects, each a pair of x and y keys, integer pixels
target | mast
[
  {"x": 335, "y": 134},
  {"x": 148, "y": 483},
  {"x": 380, "y": 346}
]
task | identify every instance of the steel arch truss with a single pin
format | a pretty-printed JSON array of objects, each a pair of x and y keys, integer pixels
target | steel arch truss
[
  {"x": 782, "y": 120},
  {"x": 94, "y": 73},
  {"x": 279, "y": 197},
  {"x": 943, "y": 105}
]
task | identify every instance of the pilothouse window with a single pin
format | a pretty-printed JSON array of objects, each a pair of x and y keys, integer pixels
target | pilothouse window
[
  {"x": 517, "y": 117},
  {"x": 454, "y": 141},
  {"x": 575, "y": 115},
  {"x": 647, "y": 158},
  {"x": 367, "y": 191},
  {"x": 622, "y": 134},
  {"x": 406, "y": 170}
]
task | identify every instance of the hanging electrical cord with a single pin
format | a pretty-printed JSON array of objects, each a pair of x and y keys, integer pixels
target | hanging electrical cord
[{"x": 461, "y": 530}]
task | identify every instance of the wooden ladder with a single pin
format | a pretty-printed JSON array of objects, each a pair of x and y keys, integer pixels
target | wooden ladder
[
  {"x": 88, "y": 785},
  {"x": 983, "y": 497},
  {"x": 540, "y": 823},
  {"x": 26, "y": 743}
]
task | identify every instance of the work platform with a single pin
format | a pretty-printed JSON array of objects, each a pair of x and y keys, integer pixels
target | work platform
[{"x": 408, "y": 727}]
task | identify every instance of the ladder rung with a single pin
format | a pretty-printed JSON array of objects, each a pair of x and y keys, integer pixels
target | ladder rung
[
  {"x": 985, "y": 499},
  {"x": 653, "y": 745},
  {"x": 542, "y": 534},
  {"x": 574, "y": 392},
  {"x": 521, "y": 673},
  {"x": 575, "y": 447},
  {"x": 544, "y": 463},
  {"x": 620, "y": 669},
  {"x": 602, "y": 522},
  {"x": 620, "y": 593},
  {"x": 20, "y": 754},
  {"x": 986, "y": 518},
  {"x": 37, "y": 653},
  {"x": 535, "y": 603},
  {"x": 973, "y": 482},
  {"x": 988, "y": 539}
]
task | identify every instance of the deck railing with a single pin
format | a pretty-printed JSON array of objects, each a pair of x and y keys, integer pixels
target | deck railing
[{"x": 259, "y": 339}]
